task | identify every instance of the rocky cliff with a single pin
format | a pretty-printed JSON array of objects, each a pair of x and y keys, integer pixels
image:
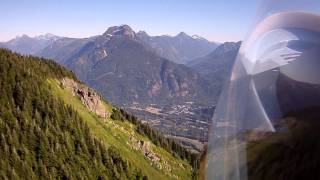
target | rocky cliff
[{"x": 88, "y": 96}]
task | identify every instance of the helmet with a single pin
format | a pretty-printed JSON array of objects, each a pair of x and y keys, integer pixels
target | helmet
[{"x": 267, "y": 117}]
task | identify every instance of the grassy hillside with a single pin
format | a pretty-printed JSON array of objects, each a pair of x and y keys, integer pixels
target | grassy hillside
[{"x": 48, "y": 132}]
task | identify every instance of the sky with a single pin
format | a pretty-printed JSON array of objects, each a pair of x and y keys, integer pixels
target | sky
[{"x": 215, "y": 20}]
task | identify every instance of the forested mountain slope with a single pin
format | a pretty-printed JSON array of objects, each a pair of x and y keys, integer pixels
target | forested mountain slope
[{"x": 54, "y": 127}]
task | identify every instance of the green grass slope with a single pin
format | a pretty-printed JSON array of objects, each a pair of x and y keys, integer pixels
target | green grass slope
[
  {"x": 46, "y": 132},
  {"x": 116, "y": 133}
]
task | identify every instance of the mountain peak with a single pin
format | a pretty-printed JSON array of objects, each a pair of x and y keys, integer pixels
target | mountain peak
[
  {"x": 197, "y": 37},
  {"x": 143, "y": 33},
  {"x": 18, "y": 38},
  {"x": 47, "y": 36},
  {"x": 22, "y": 36},
  {"x": 182, "y": 34},
  {"x": 123, "y": 30},
  {"x": 227, "y": 46}
]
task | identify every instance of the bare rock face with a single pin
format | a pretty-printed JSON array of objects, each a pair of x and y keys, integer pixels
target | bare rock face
[
  {"x": 88, "y": 97},
  {"x": 144, "y": 146},
  {"x": 123, "y": 30},
  {"x": 148, "y": 152}
]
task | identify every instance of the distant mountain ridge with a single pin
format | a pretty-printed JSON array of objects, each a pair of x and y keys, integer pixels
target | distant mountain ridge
[
  {"x": 62, "y": 49},
  {"x": 30, "y": 45},
  {"x": 180, "y": 48},
  {"x": 120, "y": 51},
  {"x": 119, "y": 60},
  {"x": 216, "y": 66},
  {"x": 130, "y": 70}
]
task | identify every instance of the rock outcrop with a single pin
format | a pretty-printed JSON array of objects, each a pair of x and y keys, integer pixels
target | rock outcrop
[
  {"x": 123, "y": 30},
  {"x": 88, "y": 97},
  {"x": 144, "y": 146}
]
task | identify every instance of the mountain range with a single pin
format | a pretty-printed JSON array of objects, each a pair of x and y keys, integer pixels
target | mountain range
[
  {"x": 180, "y": 48},
  {"x": 30, "y": 45},
  {"x": 145, "y": 74}
]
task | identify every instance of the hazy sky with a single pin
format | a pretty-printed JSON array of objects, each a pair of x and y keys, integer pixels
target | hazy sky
[{"x": 216, "y": 20}]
